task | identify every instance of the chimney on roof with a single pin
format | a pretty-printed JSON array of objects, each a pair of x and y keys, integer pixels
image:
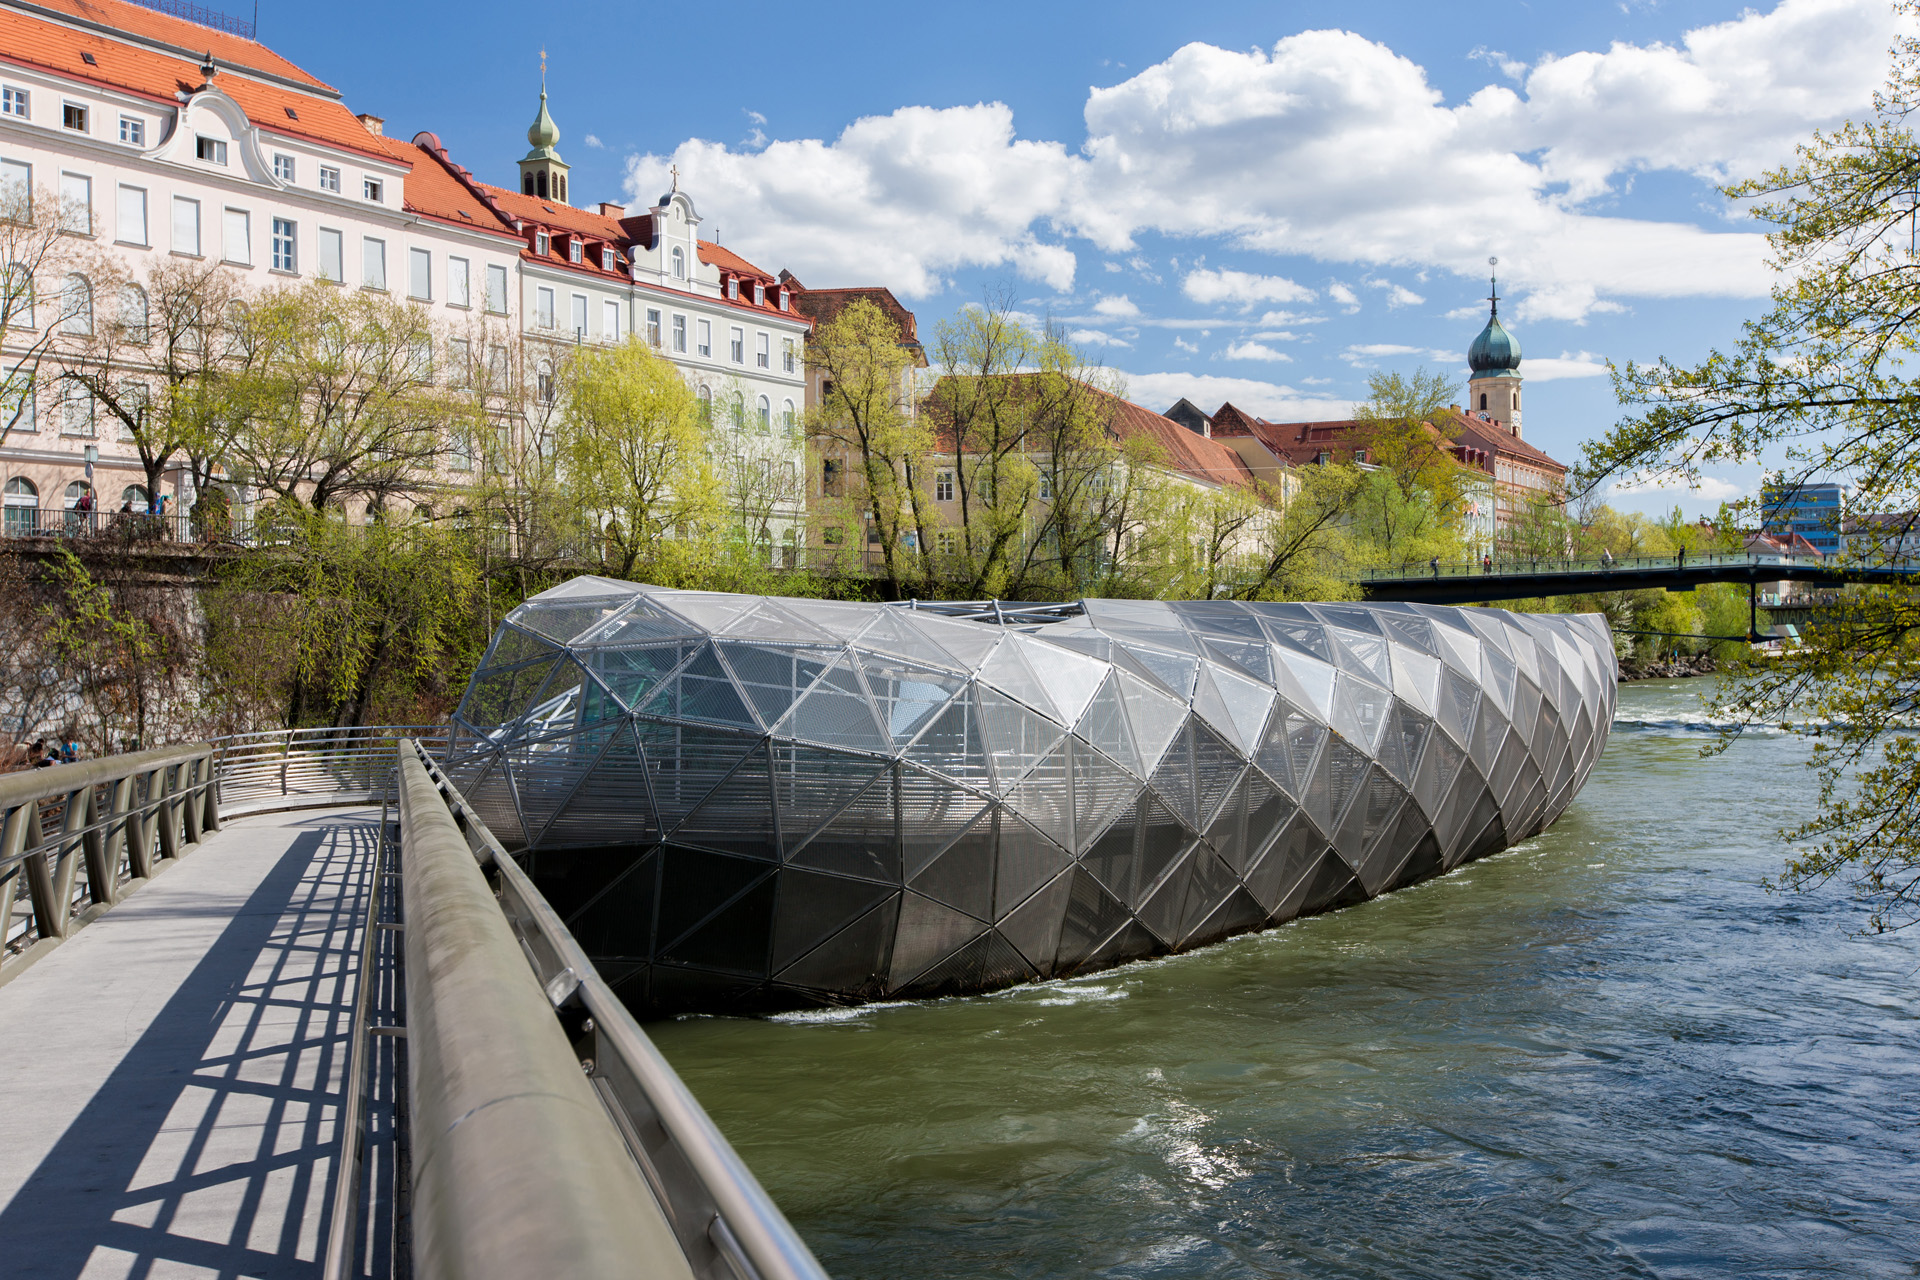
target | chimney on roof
[
  {"x": 610, "y": 210},
  {"x": 375, "y": 125}
]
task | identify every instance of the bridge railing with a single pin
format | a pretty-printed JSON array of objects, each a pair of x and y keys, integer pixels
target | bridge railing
[
  {"x": 549, "y": 1137},
  {"x": 76, "y": 838},
  {"x": 1530, "y": 566},
  {"x": 304, "y": 768}
]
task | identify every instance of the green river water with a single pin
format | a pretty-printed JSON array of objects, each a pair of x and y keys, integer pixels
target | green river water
[{"x": 1606, "y": 1052}]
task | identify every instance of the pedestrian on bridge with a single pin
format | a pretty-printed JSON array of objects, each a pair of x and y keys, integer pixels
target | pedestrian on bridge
[
  {"x": 1434, "y": 564},
  {"x": 1606, "y": 559}
]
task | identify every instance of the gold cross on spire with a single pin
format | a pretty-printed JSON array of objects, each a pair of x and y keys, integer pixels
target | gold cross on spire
[{"x": 543, "y": 70}]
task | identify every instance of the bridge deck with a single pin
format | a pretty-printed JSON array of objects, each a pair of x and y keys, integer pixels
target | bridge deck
[{"x": 172, "y": 1074}]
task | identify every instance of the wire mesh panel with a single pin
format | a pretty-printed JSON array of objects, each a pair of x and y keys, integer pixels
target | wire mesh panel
[{"x": 758, "y": 803}]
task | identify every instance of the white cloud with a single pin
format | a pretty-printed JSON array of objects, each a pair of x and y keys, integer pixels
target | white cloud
[
  {"x": 1511, "y": 68},
  {"x": 1119, "y": 305},
  {"x": 1254, "y": 351},
  {"x": 1095, "y": 338},
  {"x": 1568, "y": 364},
  {"x": 1274, "y": 401},
  {"x": 1346, "y": 297},
  {"x": 1371, "y": 349},
  {"x": 1209, "y": 143},
  {"x": 1181, "y": 344},
  {"x": 594, "y": 142},
  {"x": 1241, "y": 287},
  {"x": 1400, "y": 296},
  {"x": 1113, "y": 267},
  {"x": 1711, "y": 488},
  {"x": 1280, "y": 319}
]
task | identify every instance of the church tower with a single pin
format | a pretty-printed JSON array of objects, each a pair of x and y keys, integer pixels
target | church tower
[
  {"x": 1494, "y": 358},
  {"x": 543, "y": 173}
]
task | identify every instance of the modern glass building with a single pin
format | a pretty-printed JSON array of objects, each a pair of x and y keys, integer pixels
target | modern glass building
[{"x": 1811, "y": 510}]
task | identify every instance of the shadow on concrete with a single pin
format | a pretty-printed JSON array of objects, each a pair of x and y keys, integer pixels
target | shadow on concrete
[{"x": 209, "y": 1151}]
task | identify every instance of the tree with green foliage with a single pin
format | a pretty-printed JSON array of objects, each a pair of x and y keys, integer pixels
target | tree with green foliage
[
  {"x": 1413, "y": 505},
  {"x": 1824, "y": 384}
]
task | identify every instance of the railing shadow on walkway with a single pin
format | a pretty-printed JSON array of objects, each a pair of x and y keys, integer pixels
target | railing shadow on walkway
[{"x": 210, "y": 1147}]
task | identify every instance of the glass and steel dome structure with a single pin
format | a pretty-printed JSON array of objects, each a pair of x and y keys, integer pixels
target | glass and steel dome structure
[{"x": 744, "y": 803}]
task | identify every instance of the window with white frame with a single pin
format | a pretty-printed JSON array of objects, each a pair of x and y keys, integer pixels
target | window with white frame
[
  {"x": 459, "y": 363},
  {"x": 186, "y": 226},
  {"x": 212, "y": 150},
  {"x": 236, "y": 238},
  {"x": 497, "y": 290},
  {"x": 134, "y": 400},
  {"x": 285, "y": 238},
  {"x": 73, "y": 115},
  {"x": 1046, "y": 487},
  {"x": 783, "y": 299},
  {"x": 945, "y": 542},
  {"x": 373, "y": 189},
  {"x": 737, "y": 346},
  {"x": 420, "y": 274},
  {"x": 496, "y": 368},
  {"x": 284, "y": 168},
  {"x": 705, "y": 347},
  {"x": 76, "y": 410},
  {"x": 333, "y": 253},
  {"x": 17, "y": 407},
  {"x": 76, "y": 203},
  {"x": 15, "y": 102},
  {"x": 653, "y": 328},
  {"x": 16, "y": 181},
  {"x": 579, "y": 316},
  {"x": 763, "y": 351},
  {"x": 759, "y": 294},
  {"x": 135, "y": 313},
  {"x": 542, "y": 243},
  {"x": 130, "y": 216},
  {"x": 609, "y": 257},
  {"x": 763, "y": 414},
  {"x": 329, "y": 179},
  {"x": 133, "y": 131},
  {"x": 680, "y": 334},
  {"x": 786, "y": 355},
  {"x": 575, "y": 250},
  {"x": 786, "y": 416},
  {"x": 459, "y": 283},
  {"x": 373, "y": 263},
  {"x": 943, "y": 486},
  {"x": 733, "y": 287},
  {"x": 704, "y": 395},
  {"x": 543, "y": 307},
  {"x": 610, "y": 321},
  {"x": 679, "y": 260}
]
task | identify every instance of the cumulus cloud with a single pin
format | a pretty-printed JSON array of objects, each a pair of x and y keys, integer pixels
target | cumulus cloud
[
  {"x": 1242, "y": 287},
  {"x": 1119, "y": 306},
  {"x": 1209, "y": 143},
  {"x": 1271, "y": 400},
  {"x": 594, "y": 142},
  {"x": 1254, "y": 351},
  {"x": 1711, "y": 488},
  {"x": 1568, "y": 364},
  {"x": 1401, "y": 296},
  {"x": 1347, "y": 298},
  {"x": 1095, "y": 338}
]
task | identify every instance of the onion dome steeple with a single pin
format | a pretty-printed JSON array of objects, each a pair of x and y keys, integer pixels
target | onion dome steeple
[
  {"x": 542, "y": 172},
  {"x": 1495, "y": 351}
]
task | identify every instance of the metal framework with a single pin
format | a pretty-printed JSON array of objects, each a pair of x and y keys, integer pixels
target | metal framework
[{"x": 739, "y": 802}]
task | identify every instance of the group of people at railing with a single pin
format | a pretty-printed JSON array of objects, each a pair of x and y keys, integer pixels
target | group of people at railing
[{"x": 38, "y": 754}]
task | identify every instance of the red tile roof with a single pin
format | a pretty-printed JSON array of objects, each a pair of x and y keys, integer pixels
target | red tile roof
[
  {"x": 822, "y": 305},
  {"x": 727, "y": 260},
  {"x": 439, "y": 188},
  {"x": 181, "y": 35},
  {"x": 1301, "y": 443},
  {"x": 1479, "y": 433}
]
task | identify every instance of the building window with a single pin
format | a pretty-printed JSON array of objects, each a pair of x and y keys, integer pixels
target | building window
[
  {"x": 134, "y": 313},
  {"x": 542, "y": 243},
  {"x": 329, "y": 179},
  {"x": 759, "y": 294},
  {"x": 133, "y": 131},
  {"x": 459, "y": 363},
  {"x": 186, "y": 226},
  {"x": 575, "y": 250},
  {"x": 680, "y": 334},
  {"x": 943, "y": 486},
  {"x": 420, "y": 274},
  {"x": 73, "y": 116},
  {"x": 332, "y": 256},
  {"x": 738, "y": 346},
  {"x": 786, "y": 352},
  {"x": 786, "y": 416},
  {"x": 653, "y": 328},
  {"x": 458, "y": 283},
  {"x": 832, "y": 536},
  {"x": 543, "y": 384},
  {"x": 944, "y": 541},
  {"x": 76, "y": 203},
  {"x": 763, "y": 353},
  {"x": 706, "y": 338},
  {"x": 76, "y": 411},
  {"x": 609, "y": 257},
  {"x": 763, "y": 412},
  {"x": 705, "y": 397},
  {"x": 237, "y": 237},
  {"x": 543, "y": 308},
  {"x": 783, "y": 299},
  {"x": 830, "y": 477},
  {"x": 497, "y": 290},
  {"x": 372, "y": 189},
  {"x": 733, "y": 287},
  {"x": 14, "y": 102},
  {"x": 284, "y": 256},
  {"x": 17, "y": 409},
  {"x": 679, "y": 264},
  {"x": 212, "y": 150},
  {"x": 283, "y": 167},
  {"x": 1046, "y": 487},
  {"x": 738, "y": 417},
  {"x": 610, "y": 321},
  {"x": 579, "y": 317},
  {"x": 373, "y": 263},
  {"x": 130, "y": 216}
]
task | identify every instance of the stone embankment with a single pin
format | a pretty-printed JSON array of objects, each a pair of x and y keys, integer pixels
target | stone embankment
[{"x": 1696, "y": 664}]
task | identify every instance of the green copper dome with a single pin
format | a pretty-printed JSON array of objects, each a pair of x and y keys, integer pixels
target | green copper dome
[
  {"x": 1495, "y": 350},
  {"x": 543, "y": 133}
]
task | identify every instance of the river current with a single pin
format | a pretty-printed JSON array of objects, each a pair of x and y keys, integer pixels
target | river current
[{"x": 1605, "y": 1052}]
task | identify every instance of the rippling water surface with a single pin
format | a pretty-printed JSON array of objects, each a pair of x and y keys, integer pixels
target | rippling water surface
[{"x": 1607, "y": 1052}]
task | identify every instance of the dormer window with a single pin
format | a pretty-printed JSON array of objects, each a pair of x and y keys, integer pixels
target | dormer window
[
  {"x": 783, "y": 299},
  {"x": 610, "y": 258},
  {"x": 759, "y": 294},
  {"x": 576, "y": 252},
  {"x": 212, "y": 150},
  {"x": 541, "y": 244},
  {"x": 733, "y": 287}
]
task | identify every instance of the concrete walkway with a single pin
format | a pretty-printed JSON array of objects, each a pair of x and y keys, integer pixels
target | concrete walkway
[{"x": 170, "y": 1077}]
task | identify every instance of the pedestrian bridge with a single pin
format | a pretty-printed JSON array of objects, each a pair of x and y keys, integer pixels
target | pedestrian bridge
[
  {"x": 1527, "y": 578},
  {"x": 280, "y": 1005}
]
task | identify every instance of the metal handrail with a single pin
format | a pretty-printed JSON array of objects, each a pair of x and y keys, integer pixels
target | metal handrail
[
  {"x": 1533, "y": 565},
  {"x": 726, "y": 1224},
  {"x": 305, "y": 768},
  {"x": 125, "y": 817}
]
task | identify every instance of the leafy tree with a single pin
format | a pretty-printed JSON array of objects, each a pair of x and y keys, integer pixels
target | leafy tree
[
  {"x": 1824, "y": 384},
  {"x": 34, "y": 257},
  {"x": 1413, "y": 505}
]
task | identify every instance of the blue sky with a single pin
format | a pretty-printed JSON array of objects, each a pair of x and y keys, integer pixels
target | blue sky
[{"x": 1256, "y": 202}]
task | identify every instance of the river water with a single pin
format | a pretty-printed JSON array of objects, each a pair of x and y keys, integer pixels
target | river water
[{"x": 1606, "y": 1052}]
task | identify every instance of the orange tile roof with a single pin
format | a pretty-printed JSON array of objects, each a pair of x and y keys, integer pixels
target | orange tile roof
[
  {"x": 439, "y": 188},
  {"x": 556, "y": 214},
  {"x": 1302, "y": 442},
  {"x": 31, "y": 40},
  {"x": 727, "y": 260},
  {"x": 147, "y": 24},
  {"x": 823, "y": 305}
]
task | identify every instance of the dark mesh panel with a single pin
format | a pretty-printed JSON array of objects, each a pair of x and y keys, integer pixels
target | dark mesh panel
[
  {"x": 1208, "y": 885},
  {"x": 955, "y": 746},
  {"x": 1277, "y": 880},
  {"x": 1228, "y": 832},
  {"x": 1160, "y": 907},
  {"x": 932, "y": 815},
  {"x": 497, "y": 697},
  {"x": 617, "y": 920},
  {"x": 851, "y": 965},
  {"x": 1027, "y": 859},
  {"x": 694, "y": 884},
  {"x": 1034, "y": 925},
  {"x": 1422, "y": 864},
  {"x": 812, "y": 785},
  {"x": 929, "y": 933},
  {"x": 684, "y": 763},
  {"x": 1173, "y": 780},
  {"x": 734, "y": 939},
  {"x": 962, "y": 877},
  {"x": 1268, "y": 810},
  {"x": 736, "y": 816},
  {"x": 1102, "y": 791},
  {"x": 810, "y": 907},
  {"x": 513, "y": 646},
  {"x": 1216, "y": 767},
  {"x": 1043, "y": 798},
  {"x": 1091, "y": 917},
  {"x": 863, "y": 841},
  {"x": 1237, "y": 914}
]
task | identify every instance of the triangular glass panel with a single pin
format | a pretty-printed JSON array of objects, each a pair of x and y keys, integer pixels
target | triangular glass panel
[
  {"x": 774, "y": 678},
  {"x": 1416, "y": 678},
  {"x": 962, "y": 876},
  {"x": 1351, "y": 617},
  {"x": 863, "y": 841},
  {"x": 1459, "y": 645},
  {"x": 588, "y": 586},
  {"x": 1215, "y": 618},
  {"x": 513, "y": 645},
  {"x": 1007, "y": 671},
  {"x": 1210, "y": 882},
  {"x": 851, "y": 962},
  {"x": 557, "y": 706},
  {"x": 908, "y": 696},
  {"x": 1346, "y": 774},
  {"x": 955, "y": 745},
  {"x": 890, "y": 632},
  {"x": 1411, "y": 630},
  {"x": 710, "y": 611},
  {"x": 1102, "y": 791},
  {"x": 1249, "y": 657},
  {"x": 1174, "y": 670},
  {"x": 1016, "y": 737},
  {"x": 736, "y": 816},
  {"x": 987, "y": 961},
  {"x": 1239, "y": 913},
  {"x": 838, "y": 618},
  {"x": 701, "y": 691},
  {"x": 1154, "y": 718},
  {"x": 641, "y": 622},
  {"x": 1363, "y": 655},
  {"x": 684, "y": 763},
  {"x": 1160, "y": 908},
  {"x": 1043, "y": 799},
  {"x": 1248, "y": 703},
  {"x": 1268, "y": 810},
  {"x": 1211, "y": 707},
  {"x": 811, "y": 907},
  {"x": 1315, "y": 680},
  {"x": 1024, "y": 859},
  {"x": 1227, "y": 832},
  {"x": 811, "y": 786},
  {"x": 1411, "y": 730},
  {"x": 1070, "y": 679},
  {"x": 928, "y": 933},
  {"x": 933, "y": 813},
  {"x": 1173, "y": 780},
  {"x": 611, "y": 797},
  {"x": 1365, "y": 712},
  {"x": 632, "y": 674},
  {"x": 696, "y": 885},
  {"x": 1280, "y": 873},
  {"x": 966, "y": 643},
  {"x": 735, "y": 939},
  {"x": 1105, "y": 726},
  {"x": 501, "y": 697},
  {"x": 1458, "y": 706},
  {"x": 1216, "y": 766},
  {"x": 1033, "y": 927},
  {"x": 1092, "y": 916},
  {"x": 768, "y": 621},
  {"x": 835, "y": 712},
  {"x": 1305, "y": 637},
  {"x": 562, "y": 622}
]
